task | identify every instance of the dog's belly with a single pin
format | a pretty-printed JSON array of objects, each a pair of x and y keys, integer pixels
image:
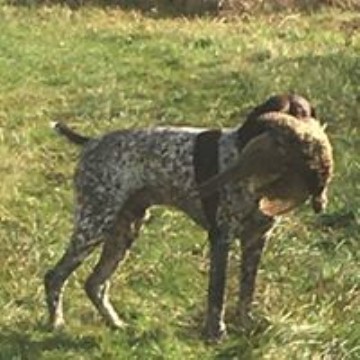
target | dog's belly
[{"x": 192, "y": 209}]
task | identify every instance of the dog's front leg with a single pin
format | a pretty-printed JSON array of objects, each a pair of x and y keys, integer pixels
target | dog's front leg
[
  {"x": 219, "y": 249},
  {"x": 253, "y": 238}
]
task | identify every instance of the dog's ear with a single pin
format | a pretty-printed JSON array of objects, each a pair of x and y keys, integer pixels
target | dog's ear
[{"x": 251, "y": 127}]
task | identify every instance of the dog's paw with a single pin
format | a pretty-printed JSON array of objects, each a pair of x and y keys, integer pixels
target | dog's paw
[
  {"x": 116, "y": 324},
  {"x": 215, "y": 333},
  {"x": 56, "y": 324}
]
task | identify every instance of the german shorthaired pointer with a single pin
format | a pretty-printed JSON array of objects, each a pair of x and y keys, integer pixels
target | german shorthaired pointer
[{"x": 124, "y": 172}]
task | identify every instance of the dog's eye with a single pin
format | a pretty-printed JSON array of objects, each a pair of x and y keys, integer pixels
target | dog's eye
[{"x": 299, "y": 111}]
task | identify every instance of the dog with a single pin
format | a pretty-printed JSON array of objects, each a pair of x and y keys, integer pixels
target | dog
[{"x": 122, "y": 173}]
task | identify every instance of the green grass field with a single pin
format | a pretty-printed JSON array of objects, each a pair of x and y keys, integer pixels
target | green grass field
[{"x": 101, "y": 70}]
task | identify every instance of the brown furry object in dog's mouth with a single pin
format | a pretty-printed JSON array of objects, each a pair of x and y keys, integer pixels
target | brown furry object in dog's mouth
[{"x": 287, "y": 163}]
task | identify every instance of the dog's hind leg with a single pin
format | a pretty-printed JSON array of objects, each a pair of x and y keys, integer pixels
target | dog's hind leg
[
  {"x": 55, "y": 278},
  {"x": 113, "y": 252},
  {"x": 90, "y": 230}
]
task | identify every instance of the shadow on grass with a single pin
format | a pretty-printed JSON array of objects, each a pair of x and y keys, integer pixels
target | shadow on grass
[
  {"x": 238, "y": 343},
  {"x": 30, "y": 344},
  {"x": 192, "y": 8},
  {"x": 150, "y": 8}
]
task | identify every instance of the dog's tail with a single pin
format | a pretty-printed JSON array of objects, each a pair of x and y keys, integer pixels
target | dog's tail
[{"x": 71, "y": 135}]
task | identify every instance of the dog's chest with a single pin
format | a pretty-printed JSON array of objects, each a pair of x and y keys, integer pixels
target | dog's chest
[{"x": 236, "y": 204}]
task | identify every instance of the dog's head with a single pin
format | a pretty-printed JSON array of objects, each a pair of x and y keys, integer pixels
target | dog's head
[{"x": 291, "y": 104}]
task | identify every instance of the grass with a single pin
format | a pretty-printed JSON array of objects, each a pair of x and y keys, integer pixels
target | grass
[{"x": 107, "y": 69}]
